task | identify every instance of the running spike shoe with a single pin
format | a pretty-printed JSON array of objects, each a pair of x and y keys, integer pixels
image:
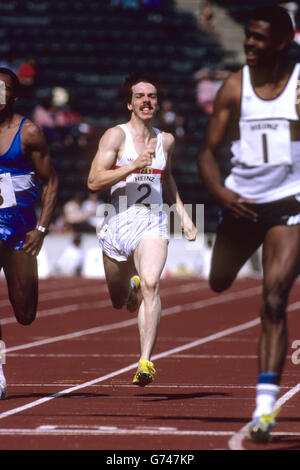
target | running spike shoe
[
  {"x": 144, "y": 374},
  {"x": 260, "y": 427}
]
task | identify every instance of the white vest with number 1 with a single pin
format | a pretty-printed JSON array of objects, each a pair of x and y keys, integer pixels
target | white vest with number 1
[{"x": 265, "y": 137}]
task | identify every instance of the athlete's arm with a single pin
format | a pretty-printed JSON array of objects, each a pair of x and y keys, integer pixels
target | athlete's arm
[
  {"x": 35, "y": 149},
  {"x": 209, "y": 171},
  {"x": 102, "y": 174},
  {"x": 170, "y": 190}
]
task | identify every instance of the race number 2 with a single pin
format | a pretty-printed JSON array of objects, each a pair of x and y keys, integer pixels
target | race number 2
[{"x": 147, "y": 193}]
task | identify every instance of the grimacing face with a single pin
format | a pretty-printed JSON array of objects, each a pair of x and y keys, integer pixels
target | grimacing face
[{"x": 144, "y": 100}]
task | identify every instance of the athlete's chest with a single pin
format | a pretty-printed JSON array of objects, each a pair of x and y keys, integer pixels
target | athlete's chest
[
  {"x": 133, "y": 147},
  {"x": 7, "y": 138}
]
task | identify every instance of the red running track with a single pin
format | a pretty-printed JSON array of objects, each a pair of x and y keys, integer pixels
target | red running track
[{"x": 69, "y": 373}]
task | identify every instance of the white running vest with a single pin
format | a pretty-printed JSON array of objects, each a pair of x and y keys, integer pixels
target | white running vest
[
  {"x": 143, "y": 186},
  {"x": 266, "y": 163}
]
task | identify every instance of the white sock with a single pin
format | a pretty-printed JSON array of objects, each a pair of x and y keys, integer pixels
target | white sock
[
  {"x": 2, "y": 358},
  {"x": 266, "y": 396},
  {"x": 1, "y": 369}
]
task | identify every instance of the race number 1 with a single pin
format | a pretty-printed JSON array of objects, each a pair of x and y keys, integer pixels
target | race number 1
[{"x": 265, "y": 142}]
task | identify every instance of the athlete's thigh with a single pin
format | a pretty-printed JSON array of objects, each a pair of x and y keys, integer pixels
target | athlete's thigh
[
  {"x": 150, "y": 257},
  {"x": 236, "y": 241},
  {"x": 118, "y": 274},
  {"x": 22, "y": 281},
  {"x": 281, "y": 257}
]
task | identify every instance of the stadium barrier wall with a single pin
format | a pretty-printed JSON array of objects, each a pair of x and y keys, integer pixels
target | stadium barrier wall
[{"x": 185, "y": 259}]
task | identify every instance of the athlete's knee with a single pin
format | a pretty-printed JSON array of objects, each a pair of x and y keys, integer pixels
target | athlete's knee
[
  {"x": 274, "y": 305},
  {"x": 150, "y": 284},
  {"x": 117, "y": 303},
  {"x": 219, "y": 284},
  {"x": 25, "y": 317}
]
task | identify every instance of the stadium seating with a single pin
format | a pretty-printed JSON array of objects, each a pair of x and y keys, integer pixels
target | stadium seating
[{"x": 89, "y": 47}]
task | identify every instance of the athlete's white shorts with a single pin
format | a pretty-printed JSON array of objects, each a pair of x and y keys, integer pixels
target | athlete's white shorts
[{"x": 122, "y": 233}]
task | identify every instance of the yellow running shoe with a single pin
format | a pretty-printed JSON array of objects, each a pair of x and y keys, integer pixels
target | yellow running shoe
[
  {"x": 260, "y": 427},
  {"x": 133, "y": 301},
  {"x": 144, "y": 374}
]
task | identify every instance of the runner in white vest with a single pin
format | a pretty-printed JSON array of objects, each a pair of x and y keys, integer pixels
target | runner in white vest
[
  {"x": 133, "y": 161},
  {"x": 260, "y": 199}
]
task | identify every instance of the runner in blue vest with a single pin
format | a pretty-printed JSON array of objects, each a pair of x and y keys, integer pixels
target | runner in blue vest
[{"x": 24, "y": 165}]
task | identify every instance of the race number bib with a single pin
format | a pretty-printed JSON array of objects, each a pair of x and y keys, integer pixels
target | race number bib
[
  {"x": 144, "y": 187},
  {"x": 7, "y": 193},
  {"x": 265, "y": 142}
]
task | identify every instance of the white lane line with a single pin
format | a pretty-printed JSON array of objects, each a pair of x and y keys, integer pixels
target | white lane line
[
  {"x": 64, "y": 294},
  {"x": 198, "y": 342},
  {"x": 96, "y": 355},
  {"x": 115, "y": 431},
  {"x": 75, "y": 334},
  {"x": 168, "y": 311},
  {"x": 164, "y": 386},
  {"x": 102, "y": 288},
  {"x": 63, "y": 309},
  {"x": 95, "y": 304}
]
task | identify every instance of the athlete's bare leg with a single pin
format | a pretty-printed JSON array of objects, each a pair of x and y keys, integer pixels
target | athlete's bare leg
[
  {"x": 22, "y": 281},
  {"x": 118, "y": 274},
  {"x": 235, "y": 243},
  {"x": 281, "y": 256},
  {"x": 150, "y": 257}
]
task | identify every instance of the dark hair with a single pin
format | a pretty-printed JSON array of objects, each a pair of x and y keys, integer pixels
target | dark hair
[
  {"x": 280, "y": 21},
  {"x": 138, "y": 77},
  {"x": 14, "y": 80}
]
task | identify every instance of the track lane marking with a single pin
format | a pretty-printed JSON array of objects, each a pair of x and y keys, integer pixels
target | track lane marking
[
  {"x": 128, "y": 368},
  {"x": 108, "y": 432},
  {"x": 113, "y": 326},
  {"x": 79, "y": 291},
  {"x": 164, "y": 354},
  {"x": 116, "y": 431},
  {"x": 95, "y": 304}
]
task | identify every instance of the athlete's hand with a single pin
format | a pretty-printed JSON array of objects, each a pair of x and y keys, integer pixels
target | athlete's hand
[
  {"x": 234, "y": 203},
  {"x": 33, "y": 242},
  {"x": 188, "y": 228},
  {"x": 145, "y": 158}
]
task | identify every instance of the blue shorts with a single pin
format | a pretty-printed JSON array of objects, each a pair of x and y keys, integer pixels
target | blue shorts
[{"x": 14, "y": 224}]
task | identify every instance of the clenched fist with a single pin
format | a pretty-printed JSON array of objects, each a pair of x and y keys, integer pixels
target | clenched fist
[{"x": 145, "y": 158}]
